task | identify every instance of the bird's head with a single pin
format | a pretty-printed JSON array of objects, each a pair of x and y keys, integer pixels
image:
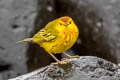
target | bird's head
[{"x": 65, "y": 23}]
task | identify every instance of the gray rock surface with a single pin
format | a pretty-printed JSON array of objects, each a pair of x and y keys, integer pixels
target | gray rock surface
[
  {"x": 16, "y": 22},
  {"x": 83, "y": 68}
]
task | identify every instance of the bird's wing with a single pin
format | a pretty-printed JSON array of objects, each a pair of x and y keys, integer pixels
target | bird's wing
[{"x": 44, "y": 36}]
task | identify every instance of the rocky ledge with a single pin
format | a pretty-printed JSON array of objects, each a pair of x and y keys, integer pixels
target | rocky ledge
[{"x": 83, "y": 68}]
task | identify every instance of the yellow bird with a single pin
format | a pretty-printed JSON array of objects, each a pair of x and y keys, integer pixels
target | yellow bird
[{"x": 56, "y": 37}]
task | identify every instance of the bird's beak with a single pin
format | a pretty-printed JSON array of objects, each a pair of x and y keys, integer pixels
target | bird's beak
[{"x": 65, "y": 24}]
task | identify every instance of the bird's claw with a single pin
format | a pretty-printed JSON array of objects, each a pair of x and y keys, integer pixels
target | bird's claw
[
  {"x": 61, "y": 62},
  {"x": 76, "y": 56}
]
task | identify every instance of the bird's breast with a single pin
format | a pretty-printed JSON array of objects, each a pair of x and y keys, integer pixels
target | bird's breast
[
  {"x": 70, "y": 37},
  {"x": 65, "y": 41}
]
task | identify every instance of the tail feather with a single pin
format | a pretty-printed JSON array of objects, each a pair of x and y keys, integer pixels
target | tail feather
[{"x": 25, "y": 40}]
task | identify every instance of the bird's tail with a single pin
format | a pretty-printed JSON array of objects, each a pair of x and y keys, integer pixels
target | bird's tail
[{"x": 25, "y": 40}]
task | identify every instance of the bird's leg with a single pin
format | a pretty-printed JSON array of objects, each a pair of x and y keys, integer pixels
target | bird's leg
[
  {"x": 71, "y": 56},
  {"x": 57, "y": 60},
  {"x": 54, "y": 57}
]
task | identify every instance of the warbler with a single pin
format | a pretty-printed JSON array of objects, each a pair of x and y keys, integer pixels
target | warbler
[{"x": 56, "y": 37}]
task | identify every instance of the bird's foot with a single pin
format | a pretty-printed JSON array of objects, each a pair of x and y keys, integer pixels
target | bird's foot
[
  {"x": 67, "y": 55},
  {"x": 65, "y": 61},
  {"x": 76, "y": 56}
]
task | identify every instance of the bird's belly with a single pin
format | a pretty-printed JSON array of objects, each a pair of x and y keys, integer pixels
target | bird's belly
[{"x": 59, "y": 45}]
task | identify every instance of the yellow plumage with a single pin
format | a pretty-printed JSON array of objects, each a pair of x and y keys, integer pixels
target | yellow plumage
[{"x": 58, "y": 36}]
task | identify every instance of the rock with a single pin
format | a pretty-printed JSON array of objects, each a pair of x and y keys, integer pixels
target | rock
[{"x": 83, "y": 68}]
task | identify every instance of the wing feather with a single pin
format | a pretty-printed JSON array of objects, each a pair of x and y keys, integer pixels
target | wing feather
[{"x": 44, "y": 36}]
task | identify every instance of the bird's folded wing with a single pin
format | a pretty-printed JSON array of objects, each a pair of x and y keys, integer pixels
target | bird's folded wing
[{"x": 44, "y": 36}]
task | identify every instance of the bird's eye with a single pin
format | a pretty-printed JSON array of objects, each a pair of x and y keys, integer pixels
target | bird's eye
[
  {"x": 70, "y": 22},
  {"x": 60, "y": 23}
]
